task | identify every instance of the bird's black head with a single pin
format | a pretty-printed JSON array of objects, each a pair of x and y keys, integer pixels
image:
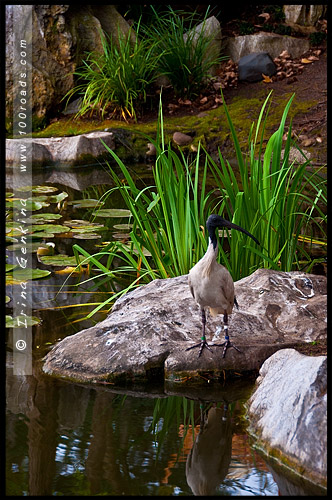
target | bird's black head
[{"x": 216, "y": 221}]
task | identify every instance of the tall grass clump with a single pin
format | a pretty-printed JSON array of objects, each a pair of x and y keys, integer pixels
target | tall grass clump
[
  {"x": 118, "y": 79},
  {"x": 165, "y": 240},
  {"x": 278, "y": 200},
  {"x": 187, "y": 57},
  {"x": 281, "y": 202}
]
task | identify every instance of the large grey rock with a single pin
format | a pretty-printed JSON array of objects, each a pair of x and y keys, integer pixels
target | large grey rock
[
  {"x": 210, "y": 28},
  {"x": 253, "y": 66},
  {"x": 288, "y": 412},
  {"x": 149, "y": 329},
  {"x": 306, "y": 15},
  {"x": 72, "y": 150},
  {"x": 272, "y": 43}
]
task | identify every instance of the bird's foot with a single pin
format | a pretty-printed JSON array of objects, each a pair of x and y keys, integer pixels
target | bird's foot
[
  {"x": 226, "y": 345},
  {"x": 203, "y": 343}
]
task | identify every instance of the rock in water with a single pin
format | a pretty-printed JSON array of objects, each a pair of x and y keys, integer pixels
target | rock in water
[
  {"x": 149, "y": 329},
  {"x": 288, "y": 412}
]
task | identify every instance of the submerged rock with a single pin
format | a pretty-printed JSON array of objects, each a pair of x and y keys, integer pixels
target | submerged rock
[
  {"x": 288, "y": 412},
  {"x": 149, "y": 329}
]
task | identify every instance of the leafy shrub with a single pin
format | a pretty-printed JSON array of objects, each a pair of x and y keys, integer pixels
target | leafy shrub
[
  {"x": 186, "y": 59},
  {"x": 117, "y": 80}
]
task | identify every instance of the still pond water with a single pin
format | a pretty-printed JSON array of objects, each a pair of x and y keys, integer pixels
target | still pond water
[{"x": 72, "y": 439}]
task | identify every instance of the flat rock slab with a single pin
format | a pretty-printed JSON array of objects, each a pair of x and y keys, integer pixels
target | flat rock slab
[
  {"x": 72, "y": 150},
  {"x": 148, "y": 331}
]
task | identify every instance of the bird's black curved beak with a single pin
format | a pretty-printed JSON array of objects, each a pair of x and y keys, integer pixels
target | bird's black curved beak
[{"x": 218, "y": 221}]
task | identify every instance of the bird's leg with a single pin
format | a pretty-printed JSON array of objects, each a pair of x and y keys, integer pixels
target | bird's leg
[
  {"x": 203, "y": 343},
  {"x": 227, "y": 342}
]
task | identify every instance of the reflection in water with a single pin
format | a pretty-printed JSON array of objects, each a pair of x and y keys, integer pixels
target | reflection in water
[
  {"x": 75, "y": 440},
  {"x": 210, "y": 456},
  {"x": 67, "y": 439}
]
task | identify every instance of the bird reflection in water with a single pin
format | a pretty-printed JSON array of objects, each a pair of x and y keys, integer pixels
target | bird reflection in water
[{"x": 209, "y": 459}]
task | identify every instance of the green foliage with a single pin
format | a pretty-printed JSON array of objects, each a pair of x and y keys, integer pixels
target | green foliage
[
  {"x": 117, "y": 80},
  {"x": 278, "y": 201},
  {"x": 186, "y": 57},
  {"x": 275, "y": 199}
]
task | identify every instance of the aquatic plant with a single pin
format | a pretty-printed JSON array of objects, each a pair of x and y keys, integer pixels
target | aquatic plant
[{"x": 275, "y": 199}]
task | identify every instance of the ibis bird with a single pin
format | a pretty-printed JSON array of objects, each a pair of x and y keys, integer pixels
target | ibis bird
[{"x": 211, "y": 284}]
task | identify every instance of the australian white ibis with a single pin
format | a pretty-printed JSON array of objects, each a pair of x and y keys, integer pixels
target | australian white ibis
[{"x": 211, "y": 284}]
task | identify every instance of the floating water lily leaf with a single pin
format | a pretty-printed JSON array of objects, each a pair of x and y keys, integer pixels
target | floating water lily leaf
[
  {"x": 41, "y": 218},
  {"x": 76, "y": 222},
  {"x": 38, "y": 189},
  {"x": 30, "y": 246},
  {"x": 60, "y": 260},
  {"x": 41, "y": 198},
  {"x": 42, "y": 234},
  {"x": 21, "y": 321},
  {"x": 27, "y": 204},
  {"x": 9, "y": 194},
  {"x": 112, "y": 212},
  {"x": 124, "y": 227},
  {"x": 87, "y": 229},
  {"x": 15, "y": 231},
  {"x": 87, "y": 203},
  {"x": 82, "y": 224},
  {"x": 8, "y": 299},
  {"x": 20, "y": 275},
  {"x": 87, "y": 236},
  {"x": 58, "y": 197},
  {"x": 52, "y": 228},
  {"x": 9, "y": 267},
  {"x": 9, "y": 239}
]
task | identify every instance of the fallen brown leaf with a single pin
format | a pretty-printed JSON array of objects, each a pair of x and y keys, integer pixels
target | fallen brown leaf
[{"x": 266, "y": 79}]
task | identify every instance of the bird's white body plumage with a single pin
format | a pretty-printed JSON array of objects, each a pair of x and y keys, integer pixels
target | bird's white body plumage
[{"x": 211, "y": 284}]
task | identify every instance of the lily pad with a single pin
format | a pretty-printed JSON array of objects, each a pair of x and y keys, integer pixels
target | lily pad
[
  {"x": 28, "y": 204},
  {"x": 42, "y": 218},
  {"x": 87, "y": 236},
  {"x": 20, "y": 321},
  {"x": 123, "y": 227},
  {"x": 38, "y": 189},
  {"x": 76, "y": 222},
  {"x": 59, "y": 260},
  {"x": 42, "y": 234},
  {"x": 87, "y": 203},
  {"x": 87, "y": 229},
  {"x": 20, "y": 275},
  {"x": 112, "y": 212},
  {"x": 31, "y": 246},
  {"x": 52, "y": 228},
  {"x": 8, "y": 299},
  {"x": 57, "y": 197},
  {"x": 82, "y": 224}
]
